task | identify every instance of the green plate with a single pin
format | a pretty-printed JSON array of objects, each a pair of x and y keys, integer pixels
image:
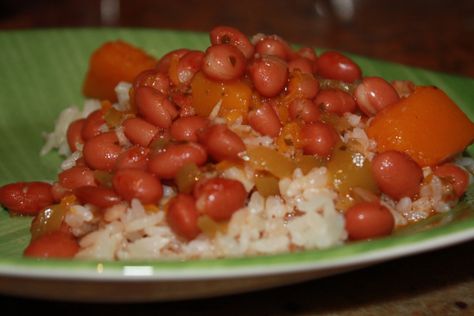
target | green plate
[{"x": 41, "y": 72}]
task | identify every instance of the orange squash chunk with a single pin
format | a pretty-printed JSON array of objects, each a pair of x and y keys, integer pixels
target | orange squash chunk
[
  {"x": 235, "y": 97},
  {"x": 427, "y": 125},
  {"x": 111, "y": 63}
]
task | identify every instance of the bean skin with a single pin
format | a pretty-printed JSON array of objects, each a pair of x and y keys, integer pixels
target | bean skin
[
  {"x": 182, "y": 216},
  {"x": 75, "y": 177},
  {"x": 335, "y": 101},
  {"x": 319, "y": 139},
  {"x": 74, "y": 134},
  {"x": 188, "y": 66},
  {"x": 373, "y": 94},
  {"x": 154, "y": 79},
  {"x": 98, "y": 196},
  {"x": 102, "y": 151},
  {"x": 163, "y": 64},
  {"x": 155, "y": 107},
  {"x": 265, "y": 120},
  {"x": 167, "y": 163},
  {"x": 457, "y": 177},
  {"x": 137, "y": 184},
  {"x": 367, "y": 220},
  {"x": 219, "y": 198},
  {"x": 188, "y": 128},
  {"x": 302, "y": 64},
  {"x": 135, "y": 157},
  {"x": 139, "y": 131},
  {"x": 230, "y": 35},
  {"x": 334, "y": 65},
  {"x": 57, "y": 244},
  {"x": 304, "y": 109},
  {"x": 93, "y": 125},
  {"x": 223, "y": 62},
  {"x": 273, "y": 45},
  {"x": 26, "y": 198},
  {"x": 397, "y": 174},
  {"x": 269, "y": 75},
  {"x": 221, "y": 143}
]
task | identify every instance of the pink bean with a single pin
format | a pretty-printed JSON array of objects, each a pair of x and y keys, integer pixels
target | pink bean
[
  {"x": 230, "y": 35},
  {"x": 265, "y": 120},
  {"x": 273, "y": 45},
  {"x": 319, "y": 139},
  {"x": 305, "y": 110},
  {"x": 154, "y": 79},
  {"x": 93, "y": 125},
  {"x": 269, "y": 75},
  {"x": 373, "y": 94},
  {"x": 335, "y": 101},
  {"x": 135, "y": 157},
  {"x": 334, "y": 65},
  {"x": 155, "y": 107},
  {"x": 221, "y": 143},
  {"x": 187, "y": 128},
  {"x": 101, "y": 151},
  {"x": 189, "y": 65},
  {"x": 223, "y": 62},
  {"x": 167, "y": 163},
  {"x": 139, "y": 131}
]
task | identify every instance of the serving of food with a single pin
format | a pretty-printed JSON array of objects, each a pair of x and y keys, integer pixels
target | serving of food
[{"x": 249, "y": 147}]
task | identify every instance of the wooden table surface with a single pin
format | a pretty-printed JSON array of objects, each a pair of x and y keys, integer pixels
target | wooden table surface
[{"x": 435, "y": 34}]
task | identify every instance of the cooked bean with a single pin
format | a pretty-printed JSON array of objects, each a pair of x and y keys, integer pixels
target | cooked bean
[
  {"x": 374, "y": 94},
  {"x": 189, "y": 65},
  {"x": 57, "y": 244},
  {"x": 397, "y": 174},
  {"x": 153, "y": 78},
  {"x": 269, "y": 75},
  {"x": 101, "y": 151},
  {"x": 223, "y": 62},
  {"x": 265, "y": 120},
  {"x": 74, "y": 134},
  {"x": 367, "y": 220},
  {"x": 135, "y": 157},
  {"x": 335, "y": 101},
  {"x": 98, "y": 196},
  {"x": 93, "y": 125},
  {"x": 302, "y": 64},
  {"x": 221, "y": 143},
  {"x": 167, "y": 163},
  {"x": 457, "y": 177},
  {"x": 219, "y": 198},
  {"x": 187, "y": 128},
  {"x": 76, "y": 176},
  {"x": 273, "y": 45},
  {"x": 155, "y": 107},
  {"x": 137, "y": 184},
  {"x": 139, "y": 131},
  {"x": 319, "y": 139},
  {"x": 182, "y": 216},
  {"x": 26, "y": 198},
  {"x": 163, "y": 64},
  {"x": 334, "y": 65},
  {"x": 304, "y": 109},
  {"x": 230, "y": 35}
]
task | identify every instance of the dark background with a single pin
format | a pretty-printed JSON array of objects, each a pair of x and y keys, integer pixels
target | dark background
[{"x": 436, "y": 35}]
